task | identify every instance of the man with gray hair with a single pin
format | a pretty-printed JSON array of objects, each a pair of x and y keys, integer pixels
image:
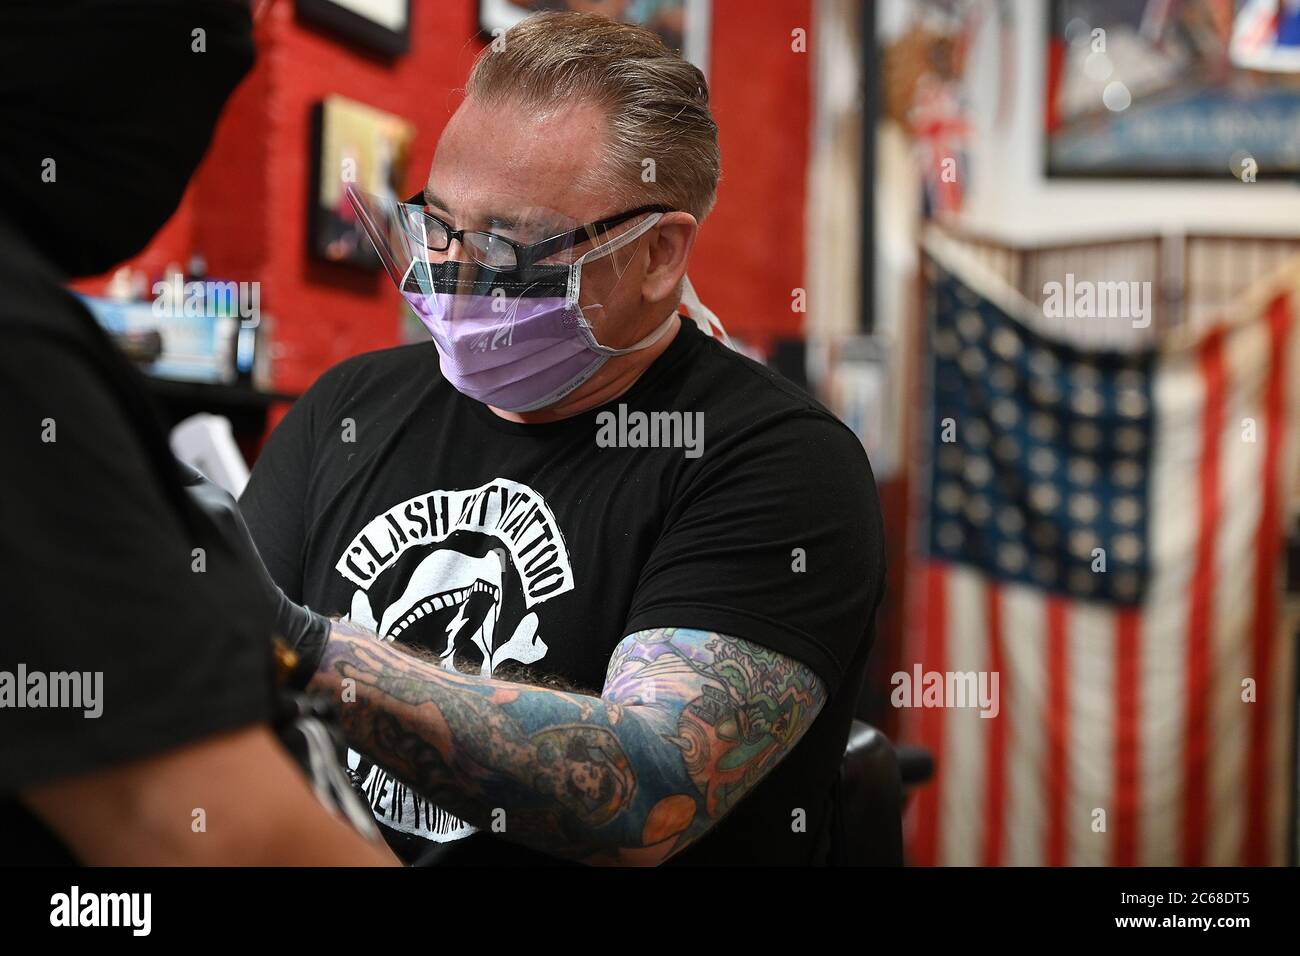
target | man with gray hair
[{"x": 599, "y": 649}]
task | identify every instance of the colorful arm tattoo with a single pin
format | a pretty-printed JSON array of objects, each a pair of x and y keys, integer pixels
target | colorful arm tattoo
[{"x": 688, "y": 722}]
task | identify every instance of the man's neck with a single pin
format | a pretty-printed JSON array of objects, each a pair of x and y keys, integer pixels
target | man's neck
[{"x": 616, "y": 376}]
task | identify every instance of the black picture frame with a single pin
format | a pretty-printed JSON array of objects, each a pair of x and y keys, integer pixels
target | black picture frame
[
  {"x": 496, "y": 16},
  {"x": 1191, "y": 171},
  {"x": 325, "y": 229},
  {"x": 352, "y": 27}
]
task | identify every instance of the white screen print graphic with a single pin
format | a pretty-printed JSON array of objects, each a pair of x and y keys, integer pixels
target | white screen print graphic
[{"x": 454, "y": 572}]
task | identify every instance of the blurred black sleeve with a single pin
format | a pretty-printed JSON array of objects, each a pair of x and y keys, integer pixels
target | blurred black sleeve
[{"x": 109, "y": 574}]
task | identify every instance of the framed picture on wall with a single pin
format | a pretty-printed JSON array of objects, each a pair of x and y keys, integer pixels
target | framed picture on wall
[
  {"x": 381, "y": 25},
  {"x": 353, "y": 143},
  {"x": 1142, "y": 89},
  {"x": 683, "y": 24}
]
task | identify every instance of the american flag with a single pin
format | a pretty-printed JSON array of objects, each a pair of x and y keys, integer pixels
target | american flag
[{"x": 1104, "y": 531}]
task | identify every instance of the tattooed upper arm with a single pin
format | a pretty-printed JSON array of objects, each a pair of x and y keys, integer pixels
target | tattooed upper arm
[{"x": 733, "y": 708}]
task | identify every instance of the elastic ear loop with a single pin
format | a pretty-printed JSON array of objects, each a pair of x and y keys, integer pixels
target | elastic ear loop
[
  {"x": 633, "y": 234},
  {"x": 575, "y": 283}
]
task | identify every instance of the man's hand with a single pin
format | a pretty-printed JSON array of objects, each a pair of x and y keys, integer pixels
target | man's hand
[{"x": 305, "y": 631}]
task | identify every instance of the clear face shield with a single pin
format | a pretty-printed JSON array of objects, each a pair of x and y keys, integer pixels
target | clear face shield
[{"x": 506, "y": 307}]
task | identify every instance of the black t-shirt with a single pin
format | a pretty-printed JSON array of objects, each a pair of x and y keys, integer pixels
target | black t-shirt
[
  {"x": 103, "y": 596},
  {"x": 387, "y": 496}
]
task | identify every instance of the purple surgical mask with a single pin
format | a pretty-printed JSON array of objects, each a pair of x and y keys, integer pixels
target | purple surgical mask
[{"x": 518, "y": 344}]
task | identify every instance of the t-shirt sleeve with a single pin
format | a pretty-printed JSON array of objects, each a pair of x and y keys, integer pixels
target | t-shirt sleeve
[
  {"x": 130, "y": 629},
  {"x": 779, "y": 542}
]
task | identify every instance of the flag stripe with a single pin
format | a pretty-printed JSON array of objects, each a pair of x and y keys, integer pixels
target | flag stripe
[
  {"x": 1058, "y": 701},
  {"x": 965, "y": 731},
  {"x": 1265, "y": 626},
  {"x": 1279, "y": 801},
  {"x": 931, "y": 719},
  {"x": 995, "y": 781},
  {"x": 1178, "y": 397},
  {"x": 1282, "y": 796},
  {"x": 1127, "y": 796},
  {"x": 1199, "y": 618},
  {"x": 1025, "y": 655},
  {"x": 1090, "y": 732},
  {"x": 1245, "y": 362}
]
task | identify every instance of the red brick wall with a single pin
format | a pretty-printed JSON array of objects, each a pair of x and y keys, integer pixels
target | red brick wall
[{"x": 750, "y": 253}]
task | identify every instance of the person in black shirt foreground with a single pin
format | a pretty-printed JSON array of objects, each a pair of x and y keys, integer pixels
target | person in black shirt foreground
[
  {"x": 135, "y": 691},
  {"x": 591, "y": 647}
]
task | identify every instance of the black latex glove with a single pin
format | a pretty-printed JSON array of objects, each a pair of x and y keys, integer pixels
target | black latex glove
[{"x": 304, "y": 631}]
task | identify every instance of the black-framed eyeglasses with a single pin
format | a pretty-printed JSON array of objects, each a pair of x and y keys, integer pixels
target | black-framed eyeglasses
[{"x": 497, "y": 252}]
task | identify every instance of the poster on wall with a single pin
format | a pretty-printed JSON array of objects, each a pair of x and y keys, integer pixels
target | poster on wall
[
  {"x": 354, "y": 143},
  {"x": 683, "y": 24},
  {"x": 1140, "y": 88},
  {"x": 381, "y": 25}
]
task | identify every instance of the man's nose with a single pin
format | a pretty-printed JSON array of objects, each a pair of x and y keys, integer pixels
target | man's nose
[{"x": 455, "y": 252}]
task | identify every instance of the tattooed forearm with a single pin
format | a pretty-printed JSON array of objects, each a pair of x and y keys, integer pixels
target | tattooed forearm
[
  {"x": 688, "y": 722},
  {"x": 543, "y": 767}
]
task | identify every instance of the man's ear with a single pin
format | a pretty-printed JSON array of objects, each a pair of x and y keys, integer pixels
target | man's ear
[{"x": 671, "y": 241}]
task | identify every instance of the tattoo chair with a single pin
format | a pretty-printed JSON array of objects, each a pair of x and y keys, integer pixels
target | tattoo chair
[{"x": 867, "y": 820}]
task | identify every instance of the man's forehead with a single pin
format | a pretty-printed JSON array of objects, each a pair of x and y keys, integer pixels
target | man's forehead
[{"x": 505, "y": 161}]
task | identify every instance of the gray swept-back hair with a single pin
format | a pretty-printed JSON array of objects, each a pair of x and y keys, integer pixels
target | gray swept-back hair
[{"x": 657, "y": 104}]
